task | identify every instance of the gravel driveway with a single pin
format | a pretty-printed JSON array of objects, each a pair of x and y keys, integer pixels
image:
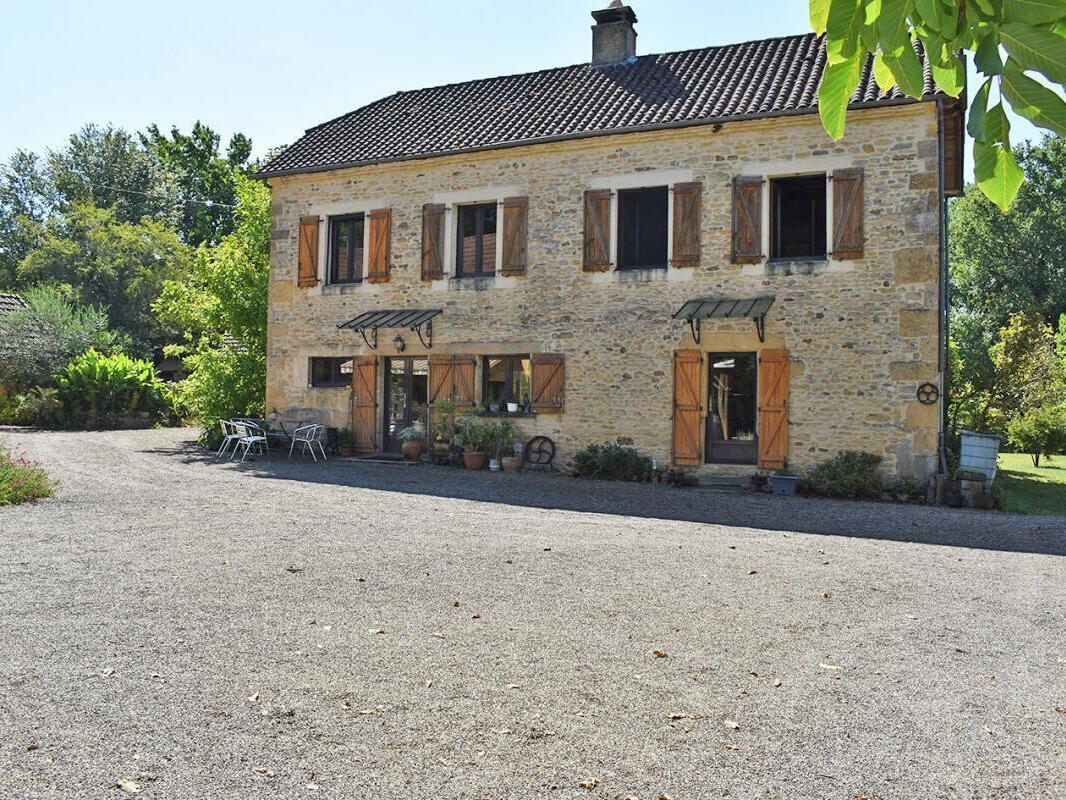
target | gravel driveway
[{"x": 347, "y": 630}]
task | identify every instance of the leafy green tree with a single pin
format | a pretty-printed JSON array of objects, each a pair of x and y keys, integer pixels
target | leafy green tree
[
  {"x": 201, "y": 173},
  {"x": 117, "y": 266},
  {"x": 221, "y": 305},
  {"x": 37, "y": 341},
  {"x": 1040, "y": 432},
  {"x": 1028, "y": 371},
  {"x": 971, "y": 404},
  {"x": 1031, "y": 33},
  {"x": 26, "y": 197}
]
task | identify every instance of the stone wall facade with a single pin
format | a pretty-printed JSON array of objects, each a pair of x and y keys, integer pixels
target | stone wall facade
[{"x": 862, "y": 335}]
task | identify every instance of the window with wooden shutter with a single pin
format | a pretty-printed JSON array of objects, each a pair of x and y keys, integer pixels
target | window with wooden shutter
[
  {"x": 547, "y": 383},
  {"x": 687, "y": 449},
  {"x": 848, "y": 228},
  {"x": 686, "y": 243},
  {"x": 597, "y": 257},
  {"x": 307, "y": 274},
  {"x": 380, "y": 222},
  {"x": 364, "y": 404},
  {"x": 432, "y": 241},
  {"x": 747, "y": 219},
  {"x": 515, "y": 222},
  {"x": 773, "y": 409}
]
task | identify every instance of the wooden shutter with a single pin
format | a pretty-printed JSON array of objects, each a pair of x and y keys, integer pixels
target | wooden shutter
[
  {"x": 773, "y": 408},
  {"x": 380, "y": 237},
  {"x": 597, "y": 230},
  {"x": 432, "y": 241},
  {"x": 687, "y": 226},
  {"x": 547, "y": 383},
  {"x": 440, "y": 385},
  {"x": 365, "y": 404},
  {"x": 515, "y": 215},
  {"x": 307, "y": 274},
  {"x": 687, "y": 450},
  {"x": 463, "y": 382},
  {"x": 747, "y": 219},
  {"x": 848, "y": 233},
  {"x": 954, "y": 137}
]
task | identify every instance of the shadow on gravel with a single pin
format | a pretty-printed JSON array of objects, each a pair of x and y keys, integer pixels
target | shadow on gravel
[{"x": 889, "y": 521}]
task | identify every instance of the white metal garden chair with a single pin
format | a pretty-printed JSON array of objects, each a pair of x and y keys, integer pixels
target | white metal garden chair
[
  {"x": 251, "y": 436},
  {"x": 309, "y": 436},
  {"x": 229, "y": 437}
]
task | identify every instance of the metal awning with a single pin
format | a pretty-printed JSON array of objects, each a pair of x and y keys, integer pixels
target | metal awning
[
  {"x": 725, "y": 308},
  {"x": 419, "y": 320}
]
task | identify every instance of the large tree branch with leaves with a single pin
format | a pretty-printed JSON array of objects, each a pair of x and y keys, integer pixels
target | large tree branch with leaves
[{"x": 1012, "y": 43}]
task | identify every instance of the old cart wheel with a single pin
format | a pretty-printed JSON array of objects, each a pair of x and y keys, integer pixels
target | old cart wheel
[
  {"x": 928, "y": 393},
  {"x": 539, "y": 450}
]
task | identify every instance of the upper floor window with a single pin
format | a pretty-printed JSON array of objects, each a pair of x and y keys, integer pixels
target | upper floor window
[
  {"x": 346, "y": 249},
  {"x": 797, "y": 217},
  {"x": 643, "y": 228},
  {"x": 331, "y": 371},
  {"x": 476, "y": 240}
]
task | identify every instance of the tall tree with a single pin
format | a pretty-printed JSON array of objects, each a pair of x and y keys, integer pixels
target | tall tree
[
  {"x": 26, "y": 198},
  {"x": 204, "y": 178}
]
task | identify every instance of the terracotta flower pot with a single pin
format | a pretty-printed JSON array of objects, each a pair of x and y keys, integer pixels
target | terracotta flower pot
[
  {"x": 511, "y": 463},
  {"x": 474, "y": 460},
  {"x": 412, "y": 450}
]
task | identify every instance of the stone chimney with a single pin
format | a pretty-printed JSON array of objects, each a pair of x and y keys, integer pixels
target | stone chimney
[{"x": 614, "y": 41}]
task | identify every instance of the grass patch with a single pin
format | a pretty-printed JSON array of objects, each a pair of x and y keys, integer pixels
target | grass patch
[
  {"x": 21, "y": 479},
  {"x": 1031, "y": 490}
]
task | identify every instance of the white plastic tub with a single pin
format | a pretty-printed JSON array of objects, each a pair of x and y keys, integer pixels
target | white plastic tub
[{"x": 979, "y": 453}]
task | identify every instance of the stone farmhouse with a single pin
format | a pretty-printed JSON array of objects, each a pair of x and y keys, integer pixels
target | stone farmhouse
[{"x": 665, "y": 251}]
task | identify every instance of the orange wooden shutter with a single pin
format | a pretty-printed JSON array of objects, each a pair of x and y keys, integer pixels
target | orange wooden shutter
[
  {"x": 597, "y": 230},
  {"x": 954, "y": 137},
  {"x": 307, "y": 274},
  {"x": 687, "y": 198},
  {"x": 848, "y": 233},
  {"x": 463, "y": 392},
  {"x": 440, "y": 385},
  {"x": 747, "y": 219},
  {"x": 432, "y": 241},
  {"x": 515, "y": 215},
  {"x": 773, "y": 408},
  {"x": 380, "y": 237},
  {"x": 687, "y": 449},
  {"x": 365, "y": 404},
  {"x": 546, "y": 384}
]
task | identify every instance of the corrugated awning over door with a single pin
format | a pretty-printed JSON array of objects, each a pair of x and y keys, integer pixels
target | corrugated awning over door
[
  {"x": 419, "y": 320},
  {"x": 702, "y": 308}
]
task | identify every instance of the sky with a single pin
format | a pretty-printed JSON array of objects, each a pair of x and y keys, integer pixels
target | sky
[{"x": 272, "y": 69}]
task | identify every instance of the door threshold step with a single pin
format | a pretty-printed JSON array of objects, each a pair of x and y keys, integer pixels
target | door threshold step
[
  {"x": 382, "y": 460},
  {"x": 724, "y": 481}
]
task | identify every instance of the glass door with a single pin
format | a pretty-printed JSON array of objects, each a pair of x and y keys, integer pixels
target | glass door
[
  {"x": 733, "y": 408},
  {"x": 406, "y": 395}
]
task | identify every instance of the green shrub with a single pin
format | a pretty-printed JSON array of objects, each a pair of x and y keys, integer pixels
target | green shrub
[
  {"x": 851, "y": 473},
  {"x": 21, "y": 479},
  {"x": 96, "y": 388},
  {"x": 42, "y": 407},
  {"x": 611, "y": 462},
  {"x": 1039, "y": 432}
]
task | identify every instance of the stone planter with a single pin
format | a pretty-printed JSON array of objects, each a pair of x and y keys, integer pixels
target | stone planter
[
  {"x": 474, "y": 460},
  {"x": 783, "y": 484},
  {"x": 511, "y": 463},
  {"x": 412, "y": 450}
]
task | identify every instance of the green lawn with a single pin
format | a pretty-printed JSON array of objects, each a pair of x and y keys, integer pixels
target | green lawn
[{"x": 1031, "y": 490}]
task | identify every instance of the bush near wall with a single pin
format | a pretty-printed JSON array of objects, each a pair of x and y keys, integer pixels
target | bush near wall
[
  {"x": 113, "y": 391},
  {"x": 611, "y": 462},
  {"x": 849, "y": 474},
  {"x": 22, "y": 480}
]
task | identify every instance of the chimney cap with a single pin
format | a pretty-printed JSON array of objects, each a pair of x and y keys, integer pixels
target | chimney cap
[{"x": 616, "y": 12}]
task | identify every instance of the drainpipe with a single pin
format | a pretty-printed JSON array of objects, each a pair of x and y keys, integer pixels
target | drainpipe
[{"x": 944, "y": 297}]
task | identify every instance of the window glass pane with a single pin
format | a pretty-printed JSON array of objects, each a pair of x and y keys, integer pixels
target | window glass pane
[
  {"x": 798, "y": 224},
  {"x": 466, "y": 258},
  {"x": 642, "y": 227},
  {"x": 733, "y": 398},
  {"x": 356, "y": 268},
  {"x": 346, "y": 250},
  {"x": 495, "y": 381},
  {"x": 521, "y": 372},
  {"x": 331, "y": 371},
  {"x": 476, "y": 245},
  {"x": 488, "y": 240}
]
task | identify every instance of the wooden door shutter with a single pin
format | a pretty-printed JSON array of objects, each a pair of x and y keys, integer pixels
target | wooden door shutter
[
  {"x": 546, "y": 384},
  {"x": 687, "y": 226},
  {"x": 364, "y": 404},
  {"x": 307, "y": 274},
  {"x": 379, "y": 240},
  {"x": 440, "y": 385},
  {"x": 687, "y": 443},
  {"x": 747, "y": 219},
  {"x": 848, "y": 231},
  {"x": 773, "y": 409},
  {"x": 463, "y": 382},
  {"x": 597, "y": 230},
  {"x": 515, "y": 216},
  {"x": 432, "y": 241}
]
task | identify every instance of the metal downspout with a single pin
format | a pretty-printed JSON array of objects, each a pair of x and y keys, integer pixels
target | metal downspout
[{"x": 944, "y": 298}]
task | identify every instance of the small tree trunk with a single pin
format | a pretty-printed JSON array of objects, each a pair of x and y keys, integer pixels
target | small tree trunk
[{"x": 1036, "y": 459}]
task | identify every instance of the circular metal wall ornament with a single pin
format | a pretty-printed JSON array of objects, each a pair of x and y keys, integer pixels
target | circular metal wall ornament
[
  {"x": 539, "y": 450},
  {"x": 928, "y": 393}
]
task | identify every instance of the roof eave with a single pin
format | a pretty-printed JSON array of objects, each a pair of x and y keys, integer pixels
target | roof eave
[{"x": 691, "y": 123}]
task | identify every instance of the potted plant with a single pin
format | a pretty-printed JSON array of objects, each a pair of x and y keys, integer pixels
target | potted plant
[
  {"x": 412, "y": 443},
  {"x": 473, "y": 437},
  {"x": 783, "y": 481},
  {"x": 345, "y": 442},
  {"x": 512, "y": 408},
  {"x": 506, "y": 435}
]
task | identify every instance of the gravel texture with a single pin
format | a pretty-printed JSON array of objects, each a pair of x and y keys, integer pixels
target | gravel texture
[{"x": 346, "y": 630}]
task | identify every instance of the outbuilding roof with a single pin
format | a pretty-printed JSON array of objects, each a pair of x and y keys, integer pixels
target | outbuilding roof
[
  {"x": 768, "y": 77},
  {"x": 10, "y": 303}
]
